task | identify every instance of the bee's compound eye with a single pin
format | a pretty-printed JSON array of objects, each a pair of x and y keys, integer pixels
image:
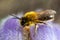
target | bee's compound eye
[{"x": 23, "y": 21}]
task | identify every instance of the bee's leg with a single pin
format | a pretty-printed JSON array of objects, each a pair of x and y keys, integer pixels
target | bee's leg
[
  {"x": 26, "y": 33},
  {"x": 36, "y": 27},
  {"x": 42, "y": 22}
]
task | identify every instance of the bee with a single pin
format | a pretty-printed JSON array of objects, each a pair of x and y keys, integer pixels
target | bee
[{"x": 33, "y": 17}]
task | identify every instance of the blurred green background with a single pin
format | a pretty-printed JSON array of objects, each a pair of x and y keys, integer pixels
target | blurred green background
[{"x": 14, "y": 6}]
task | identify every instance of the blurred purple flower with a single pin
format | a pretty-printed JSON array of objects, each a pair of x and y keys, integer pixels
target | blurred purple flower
[{"x": 12, "y": 30}]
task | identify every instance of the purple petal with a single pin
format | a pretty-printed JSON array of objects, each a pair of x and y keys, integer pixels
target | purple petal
[
  {"x": 57, "y": 30},
  {"x": 45, "y": 32},
  {"x": 11, "y": 30}
]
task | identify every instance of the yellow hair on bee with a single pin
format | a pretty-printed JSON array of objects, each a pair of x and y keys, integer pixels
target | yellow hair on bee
[{"x": 31, "y": 15}]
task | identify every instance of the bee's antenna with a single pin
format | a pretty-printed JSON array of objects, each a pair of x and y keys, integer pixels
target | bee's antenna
[{"x": 15, "y": 16}]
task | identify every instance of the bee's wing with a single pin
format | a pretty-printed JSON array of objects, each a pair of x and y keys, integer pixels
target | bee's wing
[{"x": 11, "y": 30}]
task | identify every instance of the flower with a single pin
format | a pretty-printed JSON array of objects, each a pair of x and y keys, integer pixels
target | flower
[{"x": 12, "y": 30}]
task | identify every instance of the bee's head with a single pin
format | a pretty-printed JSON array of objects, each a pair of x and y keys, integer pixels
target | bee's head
[
  {"x": 24, "y": 20},
  {"x": 47, "y": 15}
]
